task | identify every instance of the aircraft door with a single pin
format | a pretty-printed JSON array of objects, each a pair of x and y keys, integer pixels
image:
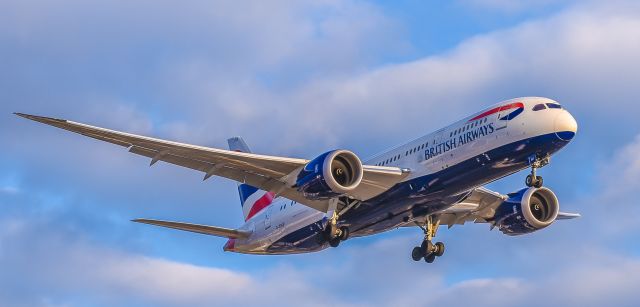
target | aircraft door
[
  {"x": 267, "y": 217},
  {"x": 435, "y": 162},
  {"x": 501, "y": 120},
  {"x": 444, "y": 157}
]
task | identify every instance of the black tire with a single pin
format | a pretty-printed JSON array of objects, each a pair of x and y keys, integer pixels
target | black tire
[
  {"x": 426, "y": 247},
  {"x": 334, "y": 242},
  {"x": 529, "y": 181},
  {"x": 430, "y": 258},
  {"x": 539, "y": 182},
  {"x": 416, "y": 253},
  {"x": 344, "y": 233},
  {"x": 439, "y": 249}
]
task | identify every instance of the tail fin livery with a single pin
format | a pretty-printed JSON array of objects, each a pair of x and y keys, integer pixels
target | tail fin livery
[
  {"x": 238, "y": 144},
  {"x": 252, "y": 199}
]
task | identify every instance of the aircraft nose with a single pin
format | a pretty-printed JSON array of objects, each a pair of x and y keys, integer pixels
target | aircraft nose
[{"x": 565, "y": 126}]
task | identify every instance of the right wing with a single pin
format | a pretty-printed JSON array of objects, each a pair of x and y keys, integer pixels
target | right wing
[
  {"x": 203, "y": 229},
  {"x": 479, "y": 207}
]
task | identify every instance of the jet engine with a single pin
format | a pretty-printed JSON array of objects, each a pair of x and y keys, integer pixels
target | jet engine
[
  {"x": 526, "y": 211},
  {"x": 331, "y": 174}
]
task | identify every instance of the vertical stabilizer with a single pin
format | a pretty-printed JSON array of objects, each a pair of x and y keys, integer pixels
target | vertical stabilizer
[{"x": 252, "y": 199}]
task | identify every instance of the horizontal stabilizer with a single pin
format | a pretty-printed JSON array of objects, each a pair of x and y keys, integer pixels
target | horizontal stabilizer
[
  {"x": 567, "y": 216},
  {"x": 203, "y": 229}
]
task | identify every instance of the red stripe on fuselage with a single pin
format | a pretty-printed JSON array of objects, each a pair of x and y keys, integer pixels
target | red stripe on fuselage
[
  {"x": 499, "y": 109},
  {"x": 260, "y": 204}
]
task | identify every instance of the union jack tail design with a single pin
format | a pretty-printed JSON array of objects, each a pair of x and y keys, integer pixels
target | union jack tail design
[{"x": 252, "y": 199}]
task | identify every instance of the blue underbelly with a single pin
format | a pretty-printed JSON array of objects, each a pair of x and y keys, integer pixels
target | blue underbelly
[{"x": 427, "y": 194}]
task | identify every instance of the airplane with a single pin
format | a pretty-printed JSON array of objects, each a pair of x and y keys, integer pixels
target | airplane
[{"x": 293, "y": 205}]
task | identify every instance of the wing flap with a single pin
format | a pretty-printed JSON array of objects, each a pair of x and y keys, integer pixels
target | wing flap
[{"x": 203, "y": 229}]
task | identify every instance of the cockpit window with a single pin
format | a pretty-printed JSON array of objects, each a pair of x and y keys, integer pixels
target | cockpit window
[
  {"x": 554, "y": 106},
  {"x": 539, "y": 107}
]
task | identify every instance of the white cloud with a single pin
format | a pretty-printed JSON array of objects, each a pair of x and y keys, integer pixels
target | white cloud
[
  {"x": 577, "y": 57},
  {"x": 561, "y": 56},
  {"x": 57, "y": 266}
]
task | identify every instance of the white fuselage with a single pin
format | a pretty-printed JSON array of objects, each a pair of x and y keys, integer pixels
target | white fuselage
[{"x": 435, "y": 152}]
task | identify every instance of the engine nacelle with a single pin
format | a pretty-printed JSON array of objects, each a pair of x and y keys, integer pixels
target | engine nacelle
[
  {"x": 526, "y": 211},
  {"x": 331, "y": 174}
]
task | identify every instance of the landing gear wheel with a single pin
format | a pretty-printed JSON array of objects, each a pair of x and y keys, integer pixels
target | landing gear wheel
[
  {"x": 530, "y": 182},
  {"x": 427, "y": 247},
  {"x": 430, "y": 258},
  {"x": 416, "y": 253},
  {"x": 344, "y": 233},
  {"x": 539, "y": 182},
  {"x": 334, "y": 242},
  {"x": 439, "y": 249}
]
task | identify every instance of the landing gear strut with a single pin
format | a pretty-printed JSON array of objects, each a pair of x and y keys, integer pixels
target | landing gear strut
[
  {"x": 333, "y": 233},
  {"x": 427, "y": 249},
  {"x": 536, "y": 162}
]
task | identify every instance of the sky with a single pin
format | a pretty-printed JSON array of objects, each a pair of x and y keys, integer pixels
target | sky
[{"x": 297, "y": 78}]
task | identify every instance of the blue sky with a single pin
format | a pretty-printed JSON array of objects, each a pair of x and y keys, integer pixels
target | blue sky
[{"x": 296, "y": 78}]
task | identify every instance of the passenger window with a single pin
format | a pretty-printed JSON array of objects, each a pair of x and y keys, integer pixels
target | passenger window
[
  {"x": 554, "y": 106},
  {"x": 539, "y": 107}
]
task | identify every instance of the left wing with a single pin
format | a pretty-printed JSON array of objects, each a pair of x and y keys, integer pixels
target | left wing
[{"x": 269, "y": 173}]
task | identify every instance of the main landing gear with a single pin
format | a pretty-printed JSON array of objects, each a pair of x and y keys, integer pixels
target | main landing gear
[
  {"x": 336, "y": 236},
  {"x": 427, "y": 249},
  {"x": 532, "y": 179},
  {"x": 333, "y": 233}
]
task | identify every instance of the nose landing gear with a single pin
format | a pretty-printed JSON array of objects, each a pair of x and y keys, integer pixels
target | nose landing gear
[
  {"x": 427, "y": 249},
  {"x": 536, "y": 162},
  {"x": 534, "y": 181}
]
